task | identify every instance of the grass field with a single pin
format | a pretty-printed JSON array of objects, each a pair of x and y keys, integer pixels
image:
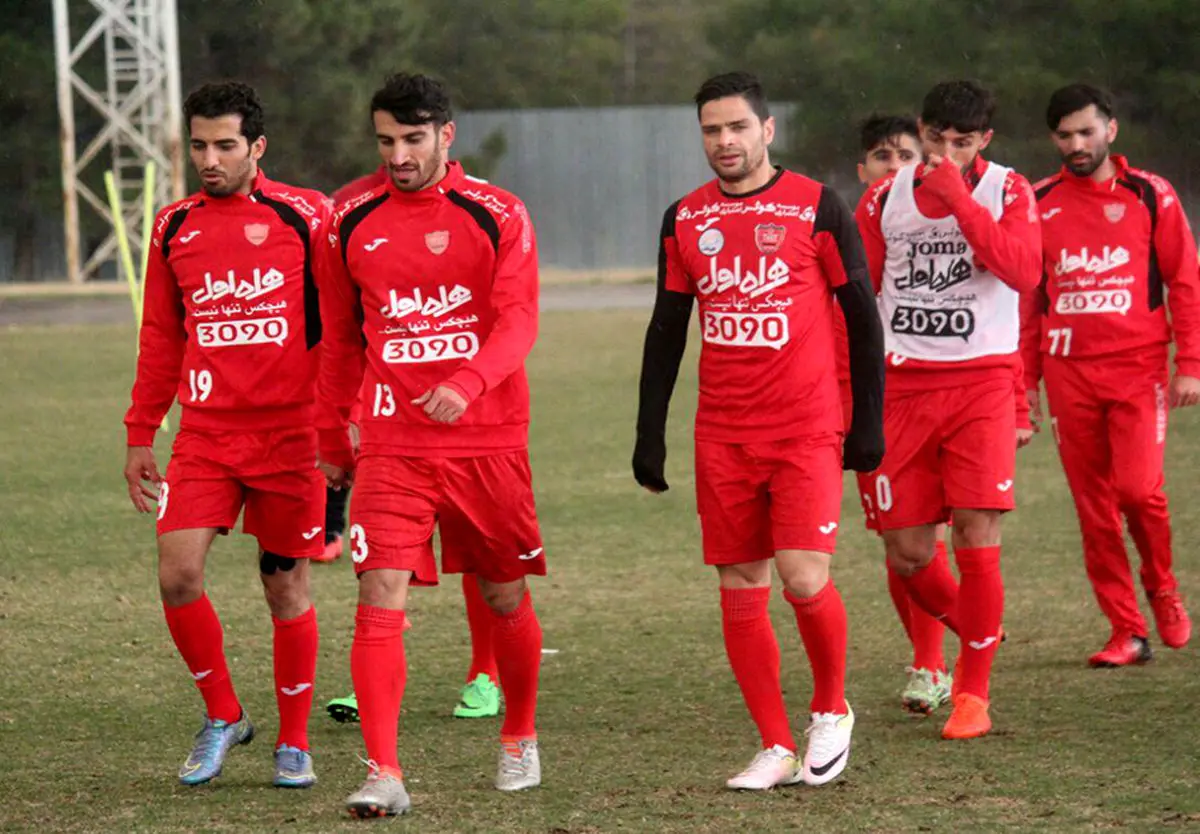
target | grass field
[{"x": 640, "y": 721}]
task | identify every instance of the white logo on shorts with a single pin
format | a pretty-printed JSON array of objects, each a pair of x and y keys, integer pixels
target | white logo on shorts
[
  {"x": 533, "y": 554},
  {"x": 311, "y": 534},
  {"x": 358, "y": 544},
  {"x": 164, "y": 492},
  {"x": 1005, "y": 486},
  {"x": 826, "y": 529}
]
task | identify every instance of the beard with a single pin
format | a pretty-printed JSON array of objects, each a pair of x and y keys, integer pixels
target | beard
[
  {"x": 234, "y": 181},
  {"x": 750, "y": 163},
  {"x": 1085, "y": 164}
]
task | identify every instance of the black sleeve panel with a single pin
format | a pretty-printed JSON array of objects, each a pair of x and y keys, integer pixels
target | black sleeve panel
[
  {"x": 666, "y": 341},
  {"x": 863, "y": 326}
]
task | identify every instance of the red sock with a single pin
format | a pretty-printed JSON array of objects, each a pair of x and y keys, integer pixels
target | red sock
[
  {"x": 198, "y": 636},
  {"x": 295, "y": 668},
  {"x": 479, "y": 622},
  {"x": 927, "y": 633},
  {"x": 934, "y": 589},
  {"x": 517, "y": 639},
  {"x": 899, "y": 593},
  {"x": 754, "y": 656},
  {"x": 981, "y": 610},
  {"x": 379, "y": 671},
  {"x": 822, "y": 622}
]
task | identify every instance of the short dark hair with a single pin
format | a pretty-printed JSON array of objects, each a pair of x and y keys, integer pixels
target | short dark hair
[
  {"x": 728, "y": 84},
  {"x": 963, "y": 105},
  {"x": 877, "y": 129},
  {"x": 413, "y": 99},
  {"x": 227, "y": 98},
  {"x": 1074, "y": 97}
]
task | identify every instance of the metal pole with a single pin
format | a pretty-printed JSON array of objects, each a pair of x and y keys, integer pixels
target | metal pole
[
  {"x": 170, "y": 35},
  {"x": 66, "y": 115}
]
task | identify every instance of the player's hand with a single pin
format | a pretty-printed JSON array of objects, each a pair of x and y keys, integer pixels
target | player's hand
[
  {"x": 1185, "y": 391},
  {"x": 1024, "y": 437},
  {"x": 140, "y": 467},
  {"x": 355, "y": 438},
  {"x": 1034, "y": 397},
  {"x": 335, "y": 476},
  {"x": 442, "y": 404},
  {"x": 649, "y": 461},
  {"x": 862, "y": 451}
]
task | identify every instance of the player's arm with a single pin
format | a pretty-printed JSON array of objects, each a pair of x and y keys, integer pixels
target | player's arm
[
  {"x": 1176, "y": 251},
  {"x": 1029, "y": 383},
  {"x": 514, "y": 301},
  {"x": 844, "y": 262},
  {"x": 1010, "y": 248},
  {"x": 161, "y": 345},
  {"x": 342, "y": 359},
  {"x": 666, "y": 341},
  {"x": 869, "y": 219}
]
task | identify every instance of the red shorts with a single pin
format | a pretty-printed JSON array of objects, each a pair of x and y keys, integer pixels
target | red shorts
[
  {"x": 483, "y": 507},
  {"x": 274, "y": 474},
  {"x": 949, "y": 448},
  {"x": 758, "y": 498}
]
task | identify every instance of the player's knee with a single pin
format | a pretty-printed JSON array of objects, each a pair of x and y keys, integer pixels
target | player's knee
[
  {"x": 804, "y": 574},
  {"x": 285, "y": 583},
  {"x": 502, "y": 597},
  {"x": 179, "y": 585},
  {"x": 1132, "y": 494},
  {"x": 383, "y": 588},
  {"x": 977, "y": 528}
]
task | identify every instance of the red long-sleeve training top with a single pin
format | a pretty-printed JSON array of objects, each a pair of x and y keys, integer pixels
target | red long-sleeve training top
[
  {"x": 1108, "y": 251},
  {"x": 231, "y": 318},
  {"x": 441, "y": 286}
]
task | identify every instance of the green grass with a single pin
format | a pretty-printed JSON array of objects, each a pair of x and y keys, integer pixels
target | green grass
[{"x": 640, "y": 722}]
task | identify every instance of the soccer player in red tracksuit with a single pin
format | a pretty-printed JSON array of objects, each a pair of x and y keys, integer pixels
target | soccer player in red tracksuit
[
  {"x": 480, "y": 696},
  {"x": 888, "y": 144},
  {"x": 438, "y": 273},
  {"x": 1112, "y": 236},
  {"x": 231, "y": 326},
  {"x": 951, "y": 243},
  {"x": 765, "y": 251}
]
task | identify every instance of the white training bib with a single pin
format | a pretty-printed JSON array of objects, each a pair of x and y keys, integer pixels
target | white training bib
[{"x": 936, "y": 304}]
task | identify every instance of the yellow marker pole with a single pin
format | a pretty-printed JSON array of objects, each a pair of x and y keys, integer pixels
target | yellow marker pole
[
  {"x": 147, "y": 229},
  {"x": 126, "y": 256}
]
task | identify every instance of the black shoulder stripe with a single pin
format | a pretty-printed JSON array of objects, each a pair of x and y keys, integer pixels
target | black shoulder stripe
[
  {"x": 172, "y": 229},
  {"x": 667, "y": 232},
  {"x": 1144, "y": 189},
  {"x": 355, "y": 216},
  {"x": 1047, "y": 188},
  {"x": 480, "y": 215},
  {"x": 312, "y": 306}
]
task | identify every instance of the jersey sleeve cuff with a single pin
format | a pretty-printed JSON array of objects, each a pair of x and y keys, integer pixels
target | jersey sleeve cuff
[
  {"x": 139, "y": 436},
  {"x": 335, "y": 448},
  {"x": 466, "y": 383},
  {"x": 1188, "y": 367}
]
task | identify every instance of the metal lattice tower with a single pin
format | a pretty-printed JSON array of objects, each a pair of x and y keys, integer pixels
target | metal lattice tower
[{"x": 139, "y": 103}]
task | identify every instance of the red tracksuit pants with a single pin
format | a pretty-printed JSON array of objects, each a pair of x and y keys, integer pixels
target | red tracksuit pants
[{"x": 1109, "y": 416}]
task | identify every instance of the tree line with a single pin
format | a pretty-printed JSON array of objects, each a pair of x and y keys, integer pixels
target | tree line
[{"x": 316, "y": 64}]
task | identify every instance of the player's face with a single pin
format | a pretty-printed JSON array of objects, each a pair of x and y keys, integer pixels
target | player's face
[
  {"x": 735, "y": 139},
  {"x": 415, "y": 155},
  {"x": 1082, "y": 139},
  {"x": 225, "y": 160},
  {"x": 889, "y": 156},
  {"x": 961, "y": 148}
]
